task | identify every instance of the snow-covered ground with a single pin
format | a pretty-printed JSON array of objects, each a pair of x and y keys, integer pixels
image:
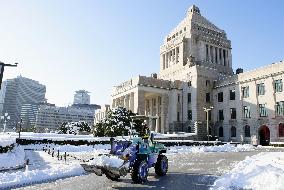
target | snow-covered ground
[
  {"x": 264, "y": 171},
  {"x": 6, "y": 140},
  {"x": 220, "y": 148},
  {"x": 12, "y": 159},
  {"x": 49, "y": 169}
]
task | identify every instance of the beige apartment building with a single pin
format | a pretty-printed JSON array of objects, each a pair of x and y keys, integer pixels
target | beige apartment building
[{"x": 196, "y": 66}]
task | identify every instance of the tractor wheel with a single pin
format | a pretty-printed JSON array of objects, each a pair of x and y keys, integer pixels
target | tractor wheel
[
  {"x": 161, "y": 166},
  {"x": 139, "y": 171},
  {"x": 112, "y": 176}
]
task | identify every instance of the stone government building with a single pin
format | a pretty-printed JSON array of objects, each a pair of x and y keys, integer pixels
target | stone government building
[{"x": 196, "y": 72}]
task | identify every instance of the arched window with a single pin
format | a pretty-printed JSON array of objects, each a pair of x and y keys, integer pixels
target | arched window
[
  {"x": 233, "y": 131},
  {"x": 281, "y": 130},
  {"x": 221, "y": 133},
  {"x": 247, "y": 131}
]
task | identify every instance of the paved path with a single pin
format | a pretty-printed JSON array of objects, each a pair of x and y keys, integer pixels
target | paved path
[{"x": 186, "y": 171}]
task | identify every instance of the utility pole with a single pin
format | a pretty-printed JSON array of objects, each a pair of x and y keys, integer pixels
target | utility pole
[
  {"x": 207, "y": 119},
  {"x": 2, "y": 66}
]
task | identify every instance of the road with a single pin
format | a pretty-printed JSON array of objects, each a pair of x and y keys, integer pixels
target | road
[{"x": 186, "y": 171}]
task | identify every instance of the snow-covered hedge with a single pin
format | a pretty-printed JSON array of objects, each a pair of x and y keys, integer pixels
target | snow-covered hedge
[{"x": 6, "y": 142}]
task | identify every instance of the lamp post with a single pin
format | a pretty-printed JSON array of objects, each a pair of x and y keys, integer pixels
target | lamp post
[
  {"x": 6, "y": 118},
  {"x": 20, "y": 125},
  {"x": 207, "y": 119},
  {"x": 2, "y": 66}
]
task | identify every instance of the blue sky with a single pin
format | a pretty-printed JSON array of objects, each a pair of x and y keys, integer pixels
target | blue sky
[{"x": 94, "y": 45}]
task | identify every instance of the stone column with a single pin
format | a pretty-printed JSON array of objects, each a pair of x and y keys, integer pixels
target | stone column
[
  {"x": 217, "y": 52},
  {"x": 164, "y": 113},
  {"x": 139, "y": 102},
  {"x": 221, "y": 61},
  {"x": 131, "y": 101},
  {"x": 209, "y": 53},
  {"x": 126, "y": 101}
]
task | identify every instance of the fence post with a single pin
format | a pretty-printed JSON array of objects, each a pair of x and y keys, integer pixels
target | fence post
[
  {"x": 65, "y": 156},
  {"x": 52, "y": 152}
]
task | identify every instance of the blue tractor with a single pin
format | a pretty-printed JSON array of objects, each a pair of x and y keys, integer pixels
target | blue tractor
[{"x": 138, "y": 155}]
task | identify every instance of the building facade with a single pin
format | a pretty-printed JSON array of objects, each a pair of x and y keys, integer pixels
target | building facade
[
  {"x": 51, "y": 117},
  {"x": 195, "y": 67},
  {"x": 101, "y": 113},
  {"x": 19, "y": 97},
  {"x": 249, "y": 107}
]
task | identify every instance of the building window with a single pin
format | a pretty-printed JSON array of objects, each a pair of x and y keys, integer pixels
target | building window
[
  {"x": 247, "y": 131},
  {"x": 281, "y": 130},
  {"x": 221, "y": 132},
  {"x": 260, "y": 89},
  {"x": 189, "y": 97},
  {"x": 220, "y": 97},
  {"x": 189, "y": 115},
  {"x": 233, "y": 131},
  {"x": 178, "y": 98},
  {"x": 177, "y": 116},
  {"x": 189, "y": 83},
  {"x": 280, "y": 108},
  {"x": 207, "y": 97},
  {"x": 232, "y": 94},
  {"x": 233, "y": 113},
  {"x": 262, "y": 110},
  {"x": 221, "y": 115},
  {"x": 207, "y": 82},
  {"x": 246, "y": 112},
  {"x": 245, "y": 91},
  {"x": 278, "y": 85}
]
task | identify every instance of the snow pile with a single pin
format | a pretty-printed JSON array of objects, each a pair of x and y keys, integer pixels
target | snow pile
[
  {"x": 12, "y": 159},
  {"x": 221, "y": 148},
  {"x": 109, "y": 161},
  {"x": 6, "y": 140},
  {"x": 259, "y": 172},
  {"x": 51, "y": 170}
]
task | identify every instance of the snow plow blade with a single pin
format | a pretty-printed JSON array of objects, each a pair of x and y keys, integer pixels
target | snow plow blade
[{"x": 110, "y": 172}]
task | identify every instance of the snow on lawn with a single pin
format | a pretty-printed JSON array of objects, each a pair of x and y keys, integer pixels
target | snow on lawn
[
  {"x": 50, "y": 169},
  {"x": 12, "y": 159},
  {"x": 264, "y": 171},
  {"x": 6, "y": 140},
  {"x": 220, "y": 148}
]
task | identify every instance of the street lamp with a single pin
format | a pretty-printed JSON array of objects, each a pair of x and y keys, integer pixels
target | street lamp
[
  {"x": 207, "y": 119},
  {"x": 20, "y": 127},
  {"x": 2, "y": 66},
  {"x": 6, "y": 118}
]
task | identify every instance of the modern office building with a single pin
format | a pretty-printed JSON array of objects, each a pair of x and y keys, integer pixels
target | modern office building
[
  {"x": 81, "y": 97},
  {"x": 101, "y": 114},
  {"x": 51, "y": 117},
  {"x": 19, "y": 97},
  {"x": 196, "y": 73}
]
